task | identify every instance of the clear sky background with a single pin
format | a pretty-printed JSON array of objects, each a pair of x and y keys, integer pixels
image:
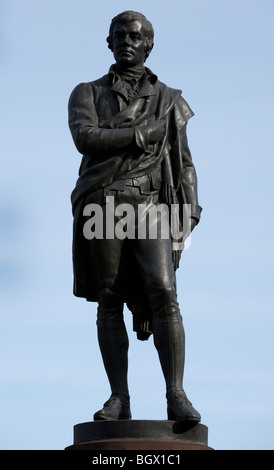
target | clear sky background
[{"x": 220, "y": 53}]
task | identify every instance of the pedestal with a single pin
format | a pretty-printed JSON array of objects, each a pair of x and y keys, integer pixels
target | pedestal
[{"x": 140, "y": 435}]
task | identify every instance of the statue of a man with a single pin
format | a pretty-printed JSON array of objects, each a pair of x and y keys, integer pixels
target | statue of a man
[{"x": 131, "y": 130}]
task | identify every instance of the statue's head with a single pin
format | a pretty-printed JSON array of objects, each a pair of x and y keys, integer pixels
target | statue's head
[{"x": 133, "y": 27}]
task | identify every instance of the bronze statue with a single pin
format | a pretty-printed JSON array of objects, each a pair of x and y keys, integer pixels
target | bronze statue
[{"x": 131, "y": 130}]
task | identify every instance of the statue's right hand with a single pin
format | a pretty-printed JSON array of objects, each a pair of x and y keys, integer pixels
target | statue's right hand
[{"x": 156, "y": 131}]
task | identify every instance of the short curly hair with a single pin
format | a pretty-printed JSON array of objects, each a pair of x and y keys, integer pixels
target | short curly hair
[{"x": 127, "y": 17}]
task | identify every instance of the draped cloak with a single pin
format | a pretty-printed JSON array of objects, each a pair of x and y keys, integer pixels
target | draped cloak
[{"x": 93, "y": 112}]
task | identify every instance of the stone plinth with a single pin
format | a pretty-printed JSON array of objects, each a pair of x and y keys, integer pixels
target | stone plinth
[{"x": 140, "y": 435}]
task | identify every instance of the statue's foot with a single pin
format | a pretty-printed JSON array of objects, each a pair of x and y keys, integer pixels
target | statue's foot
[
  {"x": 113, "y": 409},
  {"x": 179, "y": 408}
]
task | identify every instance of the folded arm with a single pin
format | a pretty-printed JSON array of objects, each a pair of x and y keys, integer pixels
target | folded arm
[{"x": 89, "y": 137}]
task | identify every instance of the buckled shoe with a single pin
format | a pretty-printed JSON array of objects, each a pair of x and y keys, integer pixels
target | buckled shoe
[
  {"x": 179, "y": 408},
  {"x": 113, "y": 409}
]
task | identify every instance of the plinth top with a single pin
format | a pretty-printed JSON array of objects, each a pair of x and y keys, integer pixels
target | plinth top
[{"x": 171, "y": 432}]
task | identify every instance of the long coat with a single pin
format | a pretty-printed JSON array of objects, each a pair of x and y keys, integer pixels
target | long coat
[{"x": 96, "y": 110}]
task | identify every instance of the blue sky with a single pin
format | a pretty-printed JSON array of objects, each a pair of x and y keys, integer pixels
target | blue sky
[{"x": 220, "y": 53}]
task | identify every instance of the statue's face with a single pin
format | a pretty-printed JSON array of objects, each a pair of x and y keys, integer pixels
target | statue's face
[{"x": 129, "y": 44}]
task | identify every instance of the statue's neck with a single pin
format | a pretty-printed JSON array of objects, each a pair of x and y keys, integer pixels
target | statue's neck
[{"x": 132, "y": 72}]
